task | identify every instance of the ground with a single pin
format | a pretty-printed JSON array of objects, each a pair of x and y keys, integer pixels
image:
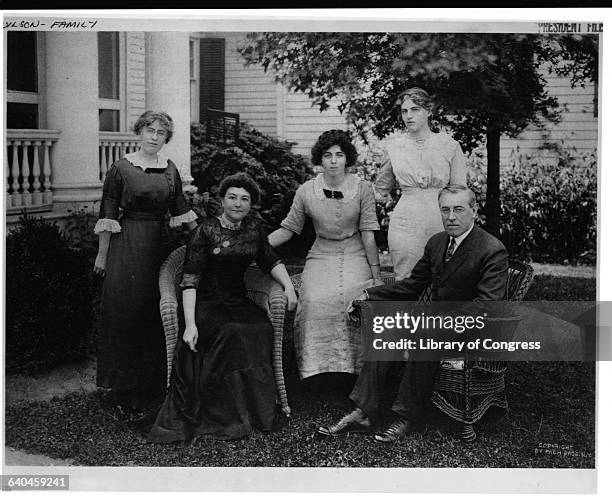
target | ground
[{"x": 81, "y": 378}]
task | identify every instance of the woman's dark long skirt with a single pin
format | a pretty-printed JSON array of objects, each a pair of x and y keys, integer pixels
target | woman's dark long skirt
[
  {"x": 225, "y": 389},
  {"x": 131, "y": 345}
]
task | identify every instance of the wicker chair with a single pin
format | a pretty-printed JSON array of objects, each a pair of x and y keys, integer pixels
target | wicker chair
[
  {"x": 261, "y": 288},
  {"x": 465, "y": 389}
]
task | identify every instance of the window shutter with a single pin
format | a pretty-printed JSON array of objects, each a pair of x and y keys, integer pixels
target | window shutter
[{"x": 212, "y": 74}]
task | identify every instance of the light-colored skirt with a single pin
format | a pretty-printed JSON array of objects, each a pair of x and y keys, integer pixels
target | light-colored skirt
[
  {"x": 335, "y": 273},
  {"x": 414, "y": 220}
]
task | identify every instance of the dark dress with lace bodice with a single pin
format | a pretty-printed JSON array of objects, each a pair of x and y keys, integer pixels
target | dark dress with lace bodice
[{"x": 225, "y": 389}]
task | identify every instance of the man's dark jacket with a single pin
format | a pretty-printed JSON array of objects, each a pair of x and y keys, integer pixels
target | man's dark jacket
[{"x": 477, "y": 271}]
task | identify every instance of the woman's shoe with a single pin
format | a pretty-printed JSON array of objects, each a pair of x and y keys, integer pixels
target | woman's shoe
[{"x": 356, "y": 421}]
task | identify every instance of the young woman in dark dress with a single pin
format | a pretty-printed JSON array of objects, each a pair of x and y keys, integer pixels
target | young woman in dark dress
[
  {"x": 222, "y": 384},
  {"x": 143, "y": 186}
]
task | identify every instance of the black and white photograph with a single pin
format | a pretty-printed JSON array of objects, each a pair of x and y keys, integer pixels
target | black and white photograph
[{"x": 201, "y": 212}]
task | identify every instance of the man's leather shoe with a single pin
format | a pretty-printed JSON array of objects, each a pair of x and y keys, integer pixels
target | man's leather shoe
[
  {"x": 396, "y": 431},
  {"x": 356, "y": 421}
]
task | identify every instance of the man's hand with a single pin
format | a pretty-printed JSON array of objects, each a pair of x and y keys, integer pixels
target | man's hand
[{"x": 351, "y": 310}]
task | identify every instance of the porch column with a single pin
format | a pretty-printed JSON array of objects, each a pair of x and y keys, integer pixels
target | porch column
[
  {"x": 167, "y": 89},
  {"x": 72, "y": 108}
]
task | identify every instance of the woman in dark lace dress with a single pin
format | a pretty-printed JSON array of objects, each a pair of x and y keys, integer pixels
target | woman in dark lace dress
[
  {"x": 143, "y": 186},
  {"x": 222, "y": 384}
]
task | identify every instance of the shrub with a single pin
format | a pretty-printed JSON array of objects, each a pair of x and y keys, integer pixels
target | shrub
[
  {"x": 49, "y": 294},
  {"x": 549, "y": 209},
  {"x": 369, "y": 158},
  {"x": 79, "y": 228},
  {"x": 277, "y": 170}
]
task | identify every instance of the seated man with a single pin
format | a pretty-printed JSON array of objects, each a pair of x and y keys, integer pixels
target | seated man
[{"x": 463, "y": 263}]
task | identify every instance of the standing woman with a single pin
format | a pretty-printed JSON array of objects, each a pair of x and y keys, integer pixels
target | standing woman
[
  {"x": 145, "y": 185},
  {"x": 423, "y": 162},
  {"x": 342, "y": 261}
]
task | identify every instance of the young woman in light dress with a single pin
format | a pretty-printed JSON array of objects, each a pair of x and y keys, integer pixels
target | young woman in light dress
[
  {"x": 341, "y": 263},
  {"x": 423, "y": 162}
]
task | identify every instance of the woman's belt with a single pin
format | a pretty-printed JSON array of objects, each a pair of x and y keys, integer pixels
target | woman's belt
[
  {"x": 412, "y": 189},
  {"x": 143, "y": 216},
  {"x": 338, "y": 239}
]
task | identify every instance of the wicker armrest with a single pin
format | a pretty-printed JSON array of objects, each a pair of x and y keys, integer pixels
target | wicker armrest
[
  {"x": 168, "y": 303},
  {"x": 269, "y": 295}
]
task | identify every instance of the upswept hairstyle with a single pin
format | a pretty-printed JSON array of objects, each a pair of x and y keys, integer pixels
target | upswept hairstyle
[
  {"x": 150, "y": 116},
  {"x": 418, "y": 96},
  {"x": 329, "y": 139},
  {"x": 240, "y": 180},
  {"x": 458, "y": 188}
]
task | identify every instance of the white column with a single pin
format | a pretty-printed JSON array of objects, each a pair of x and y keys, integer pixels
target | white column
[
  {"x": 72, "y": 108},
  {"x": 167, "y": 89}
]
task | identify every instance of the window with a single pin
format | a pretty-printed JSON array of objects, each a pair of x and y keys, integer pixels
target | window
[
  {"x": 22, "y": 67},
  {"x": 108, "y": 65},
  {"x": 212, "y": 74},
  {"x": 109, "y": 81},
  {"x": 109, "y": 120},
  {"x": 21, "y": 115},
  {"x": 24, "y": 79}
]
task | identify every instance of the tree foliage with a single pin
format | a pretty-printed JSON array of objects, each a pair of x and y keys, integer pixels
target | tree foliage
[{"x": 486, "y": 85}]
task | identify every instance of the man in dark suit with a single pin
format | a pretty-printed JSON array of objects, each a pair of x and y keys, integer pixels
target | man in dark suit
[{"x": 462, "y": 263}]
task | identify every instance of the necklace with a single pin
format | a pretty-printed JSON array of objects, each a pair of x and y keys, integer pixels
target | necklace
[
  {"x": 419, "y": 142},
  {"x": 228, "y": 224}
]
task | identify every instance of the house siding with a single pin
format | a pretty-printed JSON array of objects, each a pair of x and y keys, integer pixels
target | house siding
[
  {"x": 249, "y": 91},
  {"x": 576, "y": 131},
  {"x": 255, "y": 95}
]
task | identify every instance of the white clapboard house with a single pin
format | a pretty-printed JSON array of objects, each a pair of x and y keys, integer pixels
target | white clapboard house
[{"x": 72, "y": 97}]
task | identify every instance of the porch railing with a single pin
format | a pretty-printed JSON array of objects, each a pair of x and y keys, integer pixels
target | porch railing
[
  {"x": 113, "y": 146},
  {"x": 29, "y": 171}
]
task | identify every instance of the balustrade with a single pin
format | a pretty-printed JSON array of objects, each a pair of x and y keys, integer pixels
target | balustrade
[
  {"x": 29, "y": 170},
  {"x": 113, "y": 146}
]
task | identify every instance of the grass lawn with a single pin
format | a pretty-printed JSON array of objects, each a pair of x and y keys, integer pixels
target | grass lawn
[
  {"x": 551, "y": 423},
  {"x": 92, "y": 432}
]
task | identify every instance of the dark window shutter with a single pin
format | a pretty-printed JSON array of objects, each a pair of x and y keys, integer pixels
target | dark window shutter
[{"x": 212, "y": 74}]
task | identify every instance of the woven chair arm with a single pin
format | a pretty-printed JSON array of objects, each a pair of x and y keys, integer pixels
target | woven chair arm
[
  {"x": 270, "y": 296},
  {"x": 168, "y": 303}
]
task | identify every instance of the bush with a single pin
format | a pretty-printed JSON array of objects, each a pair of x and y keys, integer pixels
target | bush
[
  {"x": 368, "y": 162},
  {"x": 277, "y": 170},
  {"x": 49, "y": 295},
  {"x": 548, "y": 209},
  {"x": 79, "y": 228}
]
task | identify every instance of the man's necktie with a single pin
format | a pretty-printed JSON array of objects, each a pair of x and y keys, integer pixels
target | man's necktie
[{"x": 450, "y": 250}]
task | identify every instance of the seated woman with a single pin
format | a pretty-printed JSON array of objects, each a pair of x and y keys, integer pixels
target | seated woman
[
  {"x": 342, "y": 262},
  {"x": 222, "y": 384}
]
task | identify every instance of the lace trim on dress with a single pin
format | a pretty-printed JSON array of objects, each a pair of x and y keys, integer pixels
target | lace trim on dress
[
  {"x": 349, "y": 189},
  {"x": 400, "y": 139},
  {"x": 190, "y": 281},
  {"x": 107, "y": 225},
  {"x": 162, "y": 161},
  {"x": 183, "y": 219}
]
